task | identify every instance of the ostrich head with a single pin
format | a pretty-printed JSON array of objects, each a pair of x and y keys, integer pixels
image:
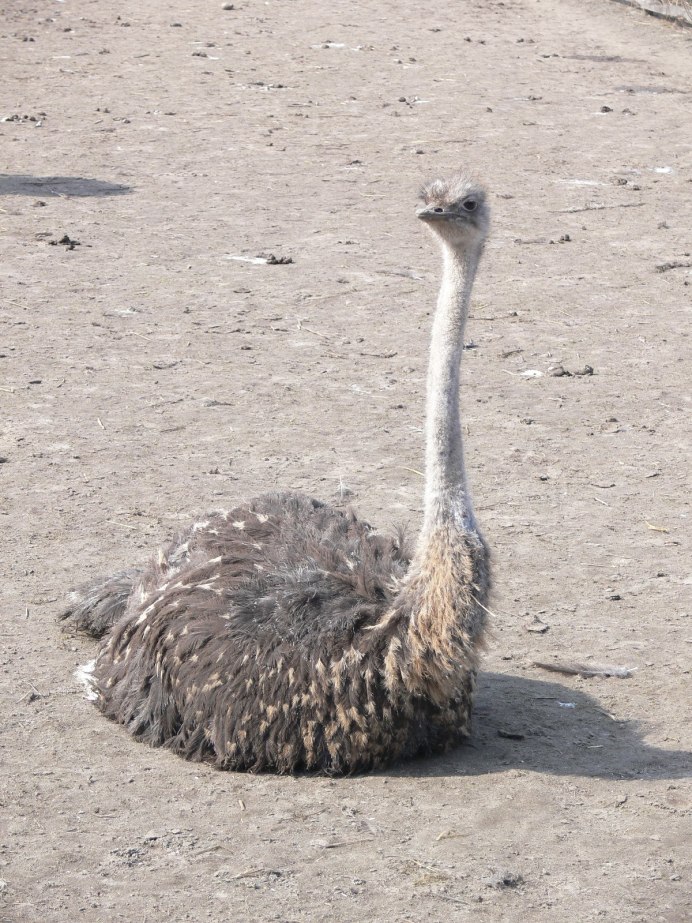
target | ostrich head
[{"x": 456, "y": 210}]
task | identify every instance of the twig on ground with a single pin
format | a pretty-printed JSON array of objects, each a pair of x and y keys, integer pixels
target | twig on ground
[
  {"x": 302, "y": 326},
  {"x": 250, "y": 873},
  {"x": 584, "y": 670},
  {"x": 657, "y": 528},
  {"x": 123, "y": 525},
  {"x": 598, "y": 206},
  {"x": 337, "y": 844}
]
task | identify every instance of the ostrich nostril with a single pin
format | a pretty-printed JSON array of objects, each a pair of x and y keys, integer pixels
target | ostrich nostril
[{"x": 438, "y": 210}]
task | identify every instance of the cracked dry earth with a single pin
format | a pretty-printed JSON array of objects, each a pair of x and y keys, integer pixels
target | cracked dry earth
[{"x": 161, "y": 356}]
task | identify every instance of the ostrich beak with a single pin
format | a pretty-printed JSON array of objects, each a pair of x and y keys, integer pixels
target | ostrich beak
[{"x": 433, "y": 213}]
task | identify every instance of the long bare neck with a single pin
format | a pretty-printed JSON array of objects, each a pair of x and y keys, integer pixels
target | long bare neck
[
  {"x": 447, "y": 500},
  {"x": 442, "y": 600}
]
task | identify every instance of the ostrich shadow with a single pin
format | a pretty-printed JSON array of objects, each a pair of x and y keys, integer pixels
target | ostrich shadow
[
  {"x": 530, "y": 724},
  {"x": 59, "y": 186}
]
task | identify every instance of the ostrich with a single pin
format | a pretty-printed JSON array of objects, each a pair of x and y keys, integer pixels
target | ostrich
[{"x": 285, "y": 635}]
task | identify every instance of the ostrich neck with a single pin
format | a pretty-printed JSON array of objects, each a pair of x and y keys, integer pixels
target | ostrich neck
[
  {"x": 447, "y": 501},
  {"x": 441, "y": 600}
]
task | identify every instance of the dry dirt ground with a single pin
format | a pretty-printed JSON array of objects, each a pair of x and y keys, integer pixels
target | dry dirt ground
[{"x": 149, "y": 374}]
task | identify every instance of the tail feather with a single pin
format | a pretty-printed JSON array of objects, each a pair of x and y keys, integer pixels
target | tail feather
[{"x": 95, "y": 607}]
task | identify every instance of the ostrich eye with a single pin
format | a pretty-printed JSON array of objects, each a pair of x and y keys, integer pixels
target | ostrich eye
[{"x": 469, "y": 205}]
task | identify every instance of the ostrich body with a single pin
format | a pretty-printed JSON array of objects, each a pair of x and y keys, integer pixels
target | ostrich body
[{"x": 286, "y": 635}]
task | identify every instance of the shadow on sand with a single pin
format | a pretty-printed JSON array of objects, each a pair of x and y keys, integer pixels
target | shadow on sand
[
  {"x": 565, "y": 732},
  {"x": 58, "y": 186}
]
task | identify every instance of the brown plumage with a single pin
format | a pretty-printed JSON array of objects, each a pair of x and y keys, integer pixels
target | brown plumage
[{"x": 286, "y": 635}]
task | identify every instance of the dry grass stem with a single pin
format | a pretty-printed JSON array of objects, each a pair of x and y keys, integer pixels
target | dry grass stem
[
  {"x": 584, "y": 670},
  {"x": 656, "y": 528}
]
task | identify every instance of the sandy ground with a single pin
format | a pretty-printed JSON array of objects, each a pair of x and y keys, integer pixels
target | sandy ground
[{"x": 148, "y": 375}]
